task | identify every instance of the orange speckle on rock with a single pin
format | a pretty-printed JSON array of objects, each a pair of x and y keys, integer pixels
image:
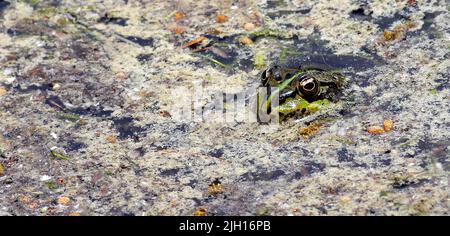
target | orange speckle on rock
[
  {"x": 388, "y": 35},
  {"x": 249, "y": 26},
  {"x": 194, "y": 42},
  {"x": 246, "y": 40},
  {"x": 25, "y": 199},
  {"x": 2, "y": 169},
  {"x": 179, "y": 16},
  {"x": 388, "y": 124},
  {"x": 221, "y": 18},
  {"x": 176, "y": 29},
  {"x": 412, "y": 3},
  {"x": 63, "y": 201},
  {"x": 375, "y": 129},
  {"x": 165, "y": 114},
  {"x": 2, "y": 91},
  {"x": 200, "y": 212},
  {"x": 61, "y": 181},
  {"x": 111, "y": 139},
  {"x": 121, "y": 76}
]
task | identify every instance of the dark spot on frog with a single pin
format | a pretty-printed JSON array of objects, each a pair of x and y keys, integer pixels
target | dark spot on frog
[
  {"x": 126, "y": 128},
  {"x": 344, "y": 156},
  {"x": 170, "y": 172},
  {"x": 141, "y": 41},
  {"x": 106, "y": 19},
  {"x": 262, "y": 175},
  {"x": 216, "y": 153},
  {"x": 144, "y": 57},
  {"x": 73, "y": 145}
]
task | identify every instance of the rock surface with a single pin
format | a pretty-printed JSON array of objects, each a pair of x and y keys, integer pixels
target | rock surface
[{"x": 86, "y": 95}]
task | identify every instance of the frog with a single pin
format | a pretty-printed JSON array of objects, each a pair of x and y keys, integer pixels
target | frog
[
  {"x": 310, "y": 86},
  {"x": 314, "y": 81}
]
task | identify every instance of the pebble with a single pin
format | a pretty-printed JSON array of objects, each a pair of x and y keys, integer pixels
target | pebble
[
  {"x": 221, "y": 18},
  {"x": 2, "y": 91},
  {"x": 388, "y": 124},
  {"x": 246, "y": 40},
  {"x": 64, "y": 201},
  {"x": 375, "y": 129},
  {"x": 249, "y": 26},
  {"x": 45, "y": 178}
]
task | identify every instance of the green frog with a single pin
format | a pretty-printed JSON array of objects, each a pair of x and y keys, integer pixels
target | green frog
[
  {"x": 314, "y": 82},
  {"x": 303, "y": 87}
]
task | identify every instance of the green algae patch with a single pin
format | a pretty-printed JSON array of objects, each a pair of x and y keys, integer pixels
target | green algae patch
[
  {"x": 266, "y": 32},
  {"x": 58, "y": 155},
  {"x": 70, "y": 117},
  {"x": 51, "y": 185},
  {"x": 299, "y": 104},
  {"x": 259, "y": 60}
]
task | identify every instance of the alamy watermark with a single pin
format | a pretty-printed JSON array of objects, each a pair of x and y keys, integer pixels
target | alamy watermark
[{"x": 198, "y": 103}]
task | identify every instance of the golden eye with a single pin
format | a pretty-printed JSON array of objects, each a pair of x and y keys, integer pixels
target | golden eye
[{"x": 309, "y": 87}]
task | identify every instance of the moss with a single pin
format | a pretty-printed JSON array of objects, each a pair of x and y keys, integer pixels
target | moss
[
  {"x": 69, "y": 117},
  {"x": 266, "y": 32},
  {"x": 215, "y": 188},
  {"x": 259, "y": 60},
  {"x": 262, "y": 211},
  {"x": 58, "y": 155},
  {"x": 299, "y": 104},
  {"x": 51, "y": 185},
  {"x": 383, "y": 193},
  {"x": 200, "y": 212},
  {"x": 310, "y": 130},
  {"x": 401, "y": 180},
  {"x": 344, "y": 140},
  {"x": 2, "y": 169},
  {"x": 421, "y": 208}
]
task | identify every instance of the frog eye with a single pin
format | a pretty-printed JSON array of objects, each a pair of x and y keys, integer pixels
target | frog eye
[{"x": 309, "y": 87}]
